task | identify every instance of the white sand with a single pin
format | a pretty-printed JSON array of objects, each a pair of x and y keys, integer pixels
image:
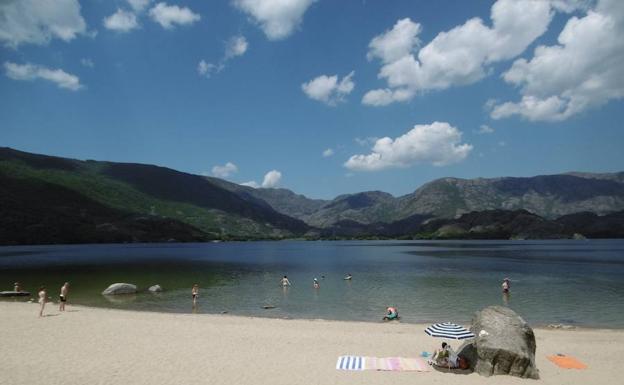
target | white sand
[{"x": 100, "y": 346}]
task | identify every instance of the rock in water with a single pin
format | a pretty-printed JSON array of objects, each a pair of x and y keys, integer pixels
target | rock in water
[
  {"x": 120, "y": 288},
  {"x": 155, "y": 289},
  {"x": 507, "y": 347}
]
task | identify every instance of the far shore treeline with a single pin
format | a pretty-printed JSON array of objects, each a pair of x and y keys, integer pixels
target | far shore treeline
[{"x": 52, "y": 200}]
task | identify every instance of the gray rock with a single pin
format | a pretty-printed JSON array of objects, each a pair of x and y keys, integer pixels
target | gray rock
[
  {"x": 506, "y": 347},
  {"x": 120, "y": 288},
  {"x": 155, "y": 289}
]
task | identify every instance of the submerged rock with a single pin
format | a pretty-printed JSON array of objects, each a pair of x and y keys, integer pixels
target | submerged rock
[
  {"x": 120, "y": 288},
  {"x": 155, "y": 289},
  {"x": 507, "y": 345}
]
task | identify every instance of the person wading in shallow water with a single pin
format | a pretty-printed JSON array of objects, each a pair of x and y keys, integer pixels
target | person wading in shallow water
[
  {"x": 195, "y": 293},
  {"x": 63, "y": 296},
  {"x": 506, "y": 285}
]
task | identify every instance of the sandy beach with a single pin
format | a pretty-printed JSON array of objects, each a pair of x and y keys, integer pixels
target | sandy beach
[{"x": 102, "y": 346}]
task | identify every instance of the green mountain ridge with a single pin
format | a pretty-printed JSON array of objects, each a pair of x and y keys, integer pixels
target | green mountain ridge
[{"x": 47, "y": 199}]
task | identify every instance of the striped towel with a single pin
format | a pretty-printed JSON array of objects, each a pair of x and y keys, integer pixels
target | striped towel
[
  {"x": 385, "y": 363},
  {"x": 350, "y": 363}
]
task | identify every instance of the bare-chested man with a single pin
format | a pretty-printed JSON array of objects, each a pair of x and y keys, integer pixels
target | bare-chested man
[{"x": 63, "y": 296}]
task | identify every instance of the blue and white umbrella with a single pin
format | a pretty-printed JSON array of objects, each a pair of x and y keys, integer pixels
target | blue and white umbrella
[{"x": 449, "y": 330}]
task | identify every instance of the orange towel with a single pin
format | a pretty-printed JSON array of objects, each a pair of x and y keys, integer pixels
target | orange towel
[{"x": 567, "y": 362}]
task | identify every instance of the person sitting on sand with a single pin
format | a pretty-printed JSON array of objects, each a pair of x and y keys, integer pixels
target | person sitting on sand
[
  {"x": 391, "y": 314},
  {"x": 285, "y": 282},
  {"x": 63, "y": 296},
  {"x": 316, "y": 284},
  {"x": 445, "y": 357},
  {"x": 195, "y": 293},
  {"x": 506, "y": 285},
  {"x": 42, "y": 299},
  {"x": 348, "y": 277}
]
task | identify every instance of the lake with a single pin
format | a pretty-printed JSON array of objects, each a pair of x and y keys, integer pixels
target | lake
[{"x": 564, "y": 281}]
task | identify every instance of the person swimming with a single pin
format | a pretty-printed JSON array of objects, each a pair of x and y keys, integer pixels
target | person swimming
[
  {"x": 348, "y": 277},
  {"x": 392, "y": 313},
  {"x": 316, "y": 284},
  {"x": 285, "y": 282}
]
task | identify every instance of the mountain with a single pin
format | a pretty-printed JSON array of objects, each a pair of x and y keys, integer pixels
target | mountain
[
  {"x": 46, "y": 199},
  {"x": 112, "y": 193}
]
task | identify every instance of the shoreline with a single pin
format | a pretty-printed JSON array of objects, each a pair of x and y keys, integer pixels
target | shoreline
[
  {"x": 564, "y": 326},
  {"x": 103, "y": 345}
]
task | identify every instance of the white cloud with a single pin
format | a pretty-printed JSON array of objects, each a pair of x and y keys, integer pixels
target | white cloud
[
  {"x": 327, "y": 153},
  {"x": 139, "y": 5},
  {"x": 366, "y": 141},
  {"x": 170, "y": 15},
  {"x": 271, "y": 179},
  {"x": 437, "y": 143},
  {"x": 251, "y": 183},
  {"x": 583, "y": 71},
  {"x": 460, "y": 56},
  {"x": 32, "y": 72},
  {"x": 485, "y": 129},
  {"x": 235, "y": 46},
  {"x": 121, "y": 21},
  {"x": 328, "y": 89},
  {"x": 224, "y": 171},
  {"x": 37, "y": 22},
  {"x": 87, "y": 62},
  {"x": 277, "y": 18}
]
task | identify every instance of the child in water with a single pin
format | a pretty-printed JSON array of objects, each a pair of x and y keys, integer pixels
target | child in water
[
  {"x": 316, "y": 283},
  {"x": 391, "y": 314},
  {"x": 506, "y": 285}
]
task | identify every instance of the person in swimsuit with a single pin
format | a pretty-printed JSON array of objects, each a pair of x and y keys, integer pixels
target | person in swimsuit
[
  {"x": 285, "y": 282},
  {"x": 195, "y": 293},
  {"x": 348, "y": 277},
  {"x": 391, "y": 314},
  {"x": 63, "y": 296},
  {"x": 316, "y": 284},
  {"x": 506, "y": 285},
  {"x": 42, "y": 299},
  {"x": 17, "y": 287}
]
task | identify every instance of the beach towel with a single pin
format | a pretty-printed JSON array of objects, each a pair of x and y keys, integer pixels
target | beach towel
[
  {"x": 350, "y": 363},
  {"x": 567, "y": 362},
  {"x": 383, "y": 363}
]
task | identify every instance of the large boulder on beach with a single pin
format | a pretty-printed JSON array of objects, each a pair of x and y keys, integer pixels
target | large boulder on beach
[
  {"x": 120, "y": 288},
  {"x": 155, "y": 289},
  {"x": 504, "y": 344}
]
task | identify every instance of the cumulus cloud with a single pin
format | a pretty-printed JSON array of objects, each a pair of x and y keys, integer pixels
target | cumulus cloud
[
  {"x": 37, "y": 22},
  {"x": 485, "y": 129},
  {"x": 234, "y": 47},
  {"x": 251, "y": 183},
  {"x": 170, "y": 15},
  {"x": 438, "y": 143},
  {"x": 271, "y": 179},
  {"x": 460, "y": 56},
  {"x": 139, "y": 5},
  {"x": 327, "y": 153},
  {"x": 224, "y": 171},
  {"x": 583, "y": 71},
  {"x": 121, "y": 21},
  {"x": 32, "y": 72},
  {"x": 277, "y": 18},
  {"x": 328, "y": 89}
]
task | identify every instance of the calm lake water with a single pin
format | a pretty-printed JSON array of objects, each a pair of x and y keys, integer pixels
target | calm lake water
[{"x": 570, "y": 282}]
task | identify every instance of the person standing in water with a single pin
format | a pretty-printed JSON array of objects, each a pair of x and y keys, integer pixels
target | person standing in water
[
  {"x": 42, "y": 299},
  {"x": 17, "y": 287},
  {"x": 63, "y": 296},
  {"x": 195, "y": 293},
  {"x": 285, "y": 282},
  {"x": 316, "y": 284},
  {"x": 506, "y": 285}
]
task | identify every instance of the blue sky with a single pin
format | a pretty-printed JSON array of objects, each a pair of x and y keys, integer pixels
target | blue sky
[{"x": 310, "y": 89}]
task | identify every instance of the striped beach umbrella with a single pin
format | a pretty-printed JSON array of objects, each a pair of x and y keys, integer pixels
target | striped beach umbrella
[{"x": 449, "y": 330}]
